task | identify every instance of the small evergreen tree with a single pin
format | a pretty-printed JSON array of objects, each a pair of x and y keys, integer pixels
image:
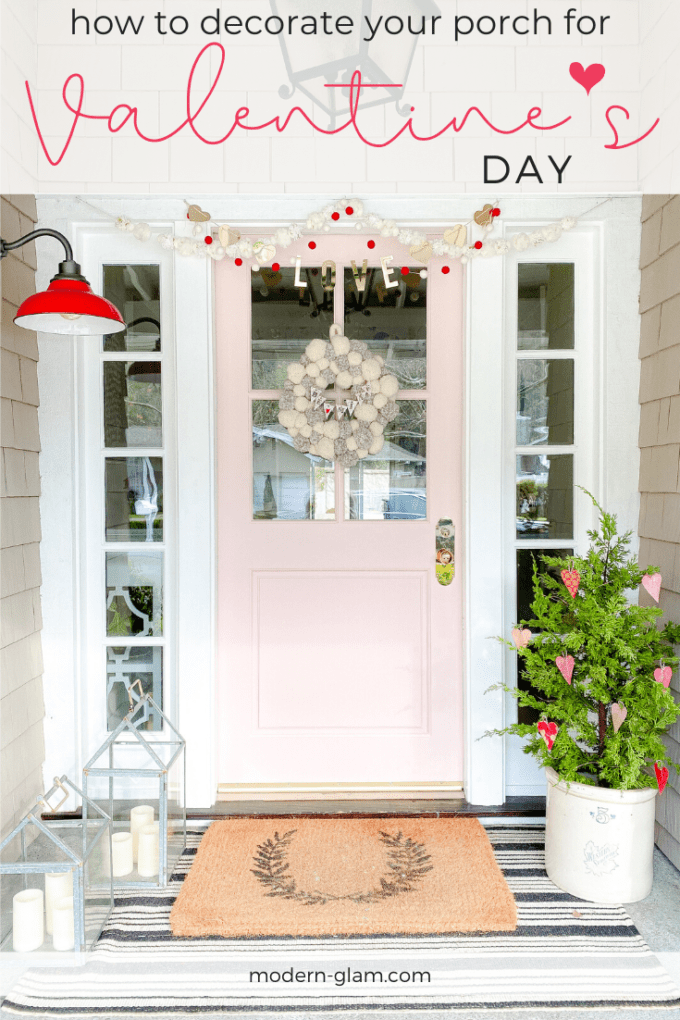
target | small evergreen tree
[{"x": 616, "y": 648}]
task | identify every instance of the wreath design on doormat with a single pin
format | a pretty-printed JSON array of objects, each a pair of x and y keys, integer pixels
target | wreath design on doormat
[
  {"x": 351, "y": 425},
  {"x": 406, "y": 863}
]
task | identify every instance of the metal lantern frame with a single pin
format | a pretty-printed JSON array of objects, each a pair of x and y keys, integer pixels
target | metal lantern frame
[
  {"x": 335, "y": 71},
  {"x": 73, "y": 860},
  {"x": 158, "y": 769}
]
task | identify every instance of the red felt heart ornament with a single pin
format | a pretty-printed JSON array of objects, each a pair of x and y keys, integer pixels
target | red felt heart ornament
[
  {"x": 663, "y": 675},
  {"x": 565, "y": 664},
  {"x": 661, "y": 777},
  {"x": 571, "y": 579},
  {"x": 548, "y": 731}
]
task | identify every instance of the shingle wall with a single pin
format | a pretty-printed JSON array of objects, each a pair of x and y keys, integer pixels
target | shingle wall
[
  {"x": 21, "y": 706},
  {"x": 660, "y": 445}
]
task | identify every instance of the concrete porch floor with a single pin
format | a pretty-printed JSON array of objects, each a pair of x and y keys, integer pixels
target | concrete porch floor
[{"x": 657, "y": 917}]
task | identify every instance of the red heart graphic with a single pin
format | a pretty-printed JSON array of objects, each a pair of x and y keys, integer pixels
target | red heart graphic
[
  {"x": 589, "y": 76},
  {"x": 548, "y": 731},
  {"x": 663, "y": 675},
  {"x": 565, "y": 664},
  {"x": 571, "y": 579},
  {"x": 661, "y": 776},
  {"x": 652, "y": 584}
]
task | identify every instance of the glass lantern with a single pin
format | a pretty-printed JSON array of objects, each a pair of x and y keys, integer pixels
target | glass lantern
[
  {"x": 55, "y": 876},
  {"x": 139, "y": 778}
]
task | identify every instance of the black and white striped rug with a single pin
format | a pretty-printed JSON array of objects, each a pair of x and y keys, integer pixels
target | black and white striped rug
[{"x": 564, "y": 954}]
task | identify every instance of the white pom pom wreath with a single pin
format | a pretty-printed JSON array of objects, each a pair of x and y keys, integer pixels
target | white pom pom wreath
[
  {"x": 315, "y": 350},
  {"x": 389, "y": 385},
  {"x": 366, "y": 412},
  {"x": 340, "y": 344},
  {"x": 370, "y": 369},
  {"x": 326, "y": 449},
  {"x": 344, "y": 365},
  {"x": 287, "y": 418}
]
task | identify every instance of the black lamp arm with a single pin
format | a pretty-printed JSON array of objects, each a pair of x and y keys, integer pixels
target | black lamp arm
[{"x": 67, "y": 268}]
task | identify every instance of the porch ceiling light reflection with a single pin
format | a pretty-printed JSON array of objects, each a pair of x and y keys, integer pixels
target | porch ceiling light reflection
[{"x": 69, "y": 304}]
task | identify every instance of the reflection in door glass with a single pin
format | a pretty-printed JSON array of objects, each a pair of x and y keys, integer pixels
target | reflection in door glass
[
  {"x": 125, "y": 666},
  {"x": 545, "y": 306},
  {"x": 135, "y": 290},
  {"x": 134, "y": 499},
  {"x": 545, "y": 502},
  {"x": 391, "y": 485},
  {"x": 284, "y": 319},
  {"x": 132, "y": 403},
  {"x": 392, "y": 321},
  {"x": 545, "y": 402},
  {"x": 287, "y": 485}
]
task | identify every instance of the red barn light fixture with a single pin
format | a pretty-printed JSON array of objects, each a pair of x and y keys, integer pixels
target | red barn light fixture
[{"x": 69, "y": 304}]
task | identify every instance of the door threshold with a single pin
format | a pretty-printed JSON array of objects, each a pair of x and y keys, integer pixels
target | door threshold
[{"x": 236, "y": 792}]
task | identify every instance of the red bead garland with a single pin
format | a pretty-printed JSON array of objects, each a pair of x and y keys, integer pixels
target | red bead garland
[
  {"x": 276, "y": 266},
  {"x": 496, "y": 211},
  {"x": 370, "y": 244},
  {"x": 208, "y": 239},
  {"x": 238, "y": 262},
  {"x": 349, "y": 210},
  {"x": 478, "y": 245},
  {"x": 312, "y": 245},
  {"x": 446, "y": 269},
  {"x": 335, "y": 216},
  {"x": 405, "y": 270}
]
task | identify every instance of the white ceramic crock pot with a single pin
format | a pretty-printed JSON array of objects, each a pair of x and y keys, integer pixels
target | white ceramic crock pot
[{"x": 599, "y": 843}]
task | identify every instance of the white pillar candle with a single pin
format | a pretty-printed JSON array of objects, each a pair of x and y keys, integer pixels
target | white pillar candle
[
  {"x": 121, "y": 849},
  {"x": 63, "y": 937},
  {"x": 57, "y": 885},
  {"x": 28, "y": 920},
  {"x": 139, "y": 816},
  {"x": 147, "y": 861}
]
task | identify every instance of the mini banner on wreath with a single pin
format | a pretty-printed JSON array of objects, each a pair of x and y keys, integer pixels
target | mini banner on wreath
[{"x": 337, "y": 400}]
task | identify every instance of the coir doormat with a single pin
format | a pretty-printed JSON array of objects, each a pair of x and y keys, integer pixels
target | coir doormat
[{"x": 358, "y": 876}]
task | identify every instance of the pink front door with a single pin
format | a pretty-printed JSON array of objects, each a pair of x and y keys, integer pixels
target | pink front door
[{"x": 339, "y": 652}]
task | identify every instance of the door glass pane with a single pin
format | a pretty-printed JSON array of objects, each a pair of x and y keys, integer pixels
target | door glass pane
[
  {"x": 545, "y": 306},
  {"x": 391, "y": 485},
  {"x": 545, "y": 402},
  {"x": 525, "y": 594},
  {"x": 135, "y": 291},
  {"x": 124, "y": 667},
  {"x": 392, "y": 321},
  {"x": 288, "y": 485},
  {"x": 134, "y": 593},
  {"x": 132, "y": 404},
  {"x": 134, "y": 499},
  {"x": 284, "y": 319},
  {"x": 545, "y": 496}
]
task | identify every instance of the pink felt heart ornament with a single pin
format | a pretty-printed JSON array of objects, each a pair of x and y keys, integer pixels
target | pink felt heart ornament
[
  {"x": 565, "y": 664},
  {"x": 652, "y": 584},
  {"x": 548, "y": 731},
  {"x": 521, "y": 637},
  {"x": 571, "y": 579},
  {"x": 619, "y": 713},
  {"x": 661, "y": 776},
  {"x": 589, "y": 76},
  {"x": 663, "y": 675}
]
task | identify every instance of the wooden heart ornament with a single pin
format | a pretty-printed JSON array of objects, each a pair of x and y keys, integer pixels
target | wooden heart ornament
[
  {"x": 652, "y": 584},
  {"x": 421, "y": 252},
  {"x": 571, "y": 579},
  {"x": 548, "y": 731},
  {"x": 197, "y": 215},
  {"x": 228, "y": 235},
  {"x": 521, "y": 637},
  {"x": 565, "y": 664},
  {"x": 456, "y": 236},
  {"x": 663, "y": 675},
  {"x": 484, "y": 216},
  {"x": 661, "y": 776},
  {"x": 619, "y": 713}
]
